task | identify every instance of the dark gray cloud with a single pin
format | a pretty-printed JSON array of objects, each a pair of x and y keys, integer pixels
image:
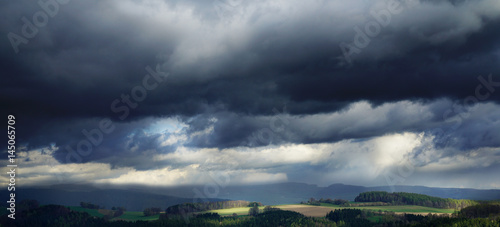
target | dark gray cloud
[
  {"x": 233, "y": 70},
  {"x": 93, "y": 54}
]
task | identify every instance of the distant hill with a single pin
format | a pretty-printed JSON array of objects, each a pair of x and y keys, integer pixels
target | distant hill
[
  {"x": 454, "y": 193},
  {"x": 137, "y": 198},
  {"x": 342, "y": 191},
  {"x": 131, "y": 200},
  {"x": 285, "y": 193}
]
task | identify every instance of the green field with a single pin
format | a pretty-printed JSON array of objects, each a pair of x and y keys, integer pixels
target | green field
[
  {"x": 329, "y": 205},
  {"x": 241, "y": 211},
  {"x": 228, "y": 212}
]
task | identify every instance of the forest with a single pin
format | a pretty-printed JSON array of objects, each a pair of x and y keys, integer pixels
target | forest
[
  {"x": 56, "y": 215},
  {"x": 202, "y": 214},
  {"x": 405, "y": 198},
  {"x": 357, "y": 217}
]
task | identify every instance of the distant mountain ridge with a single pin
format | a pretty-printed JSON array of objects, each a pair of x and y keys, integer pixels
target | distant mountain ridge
[
  {"x": 284, "y": 193},
  {"x": 130, "y": 199},
  {"x": 137, "y": 198}
]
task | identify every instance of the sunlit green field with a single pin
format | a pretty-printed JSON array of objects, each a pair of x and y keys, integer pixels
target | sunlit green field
[
  {"x": 243, "y": 211},
  {"x": 228, "y": 212},
  {"x": 329, "y": 205},
  {"x": 310, "y": 210}
]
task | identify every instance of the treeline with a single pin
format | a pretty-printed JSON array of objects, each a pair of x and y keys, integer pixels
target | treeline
[
  {"x": 435, "y": 220},
  {"x": 272, "y": 218},
  {"x": 116, "y": 212},
  {"x": 405, "y": 198},
  {"x": 186, "y": 208},
  {"x": 361, "y": 204},
  {"x": 56, "y": 215},
  {"x": 356, "y": 217},
  {"x": 348, "y": 217},
  {"x": 313, "y": 201},
  {"x": 487, "y": 215},
  {"x": 342, "y": 203},
  {"x": 481, "y": 211},
  {"x": 52, "y": 215}
]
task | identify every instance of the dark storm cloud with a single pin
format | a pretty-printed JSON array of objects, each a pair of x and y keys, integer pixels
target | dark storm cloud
[
  {"x": 273, "y": 54},
  {"x": 92, "y": 52},
  {"x": 128, "y": 145},
  {"x": 470, "y": 128}
]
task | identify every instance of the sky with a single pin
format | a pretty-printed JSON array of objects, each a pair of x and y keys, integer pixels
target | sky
[{"x": 171, "y": 93}]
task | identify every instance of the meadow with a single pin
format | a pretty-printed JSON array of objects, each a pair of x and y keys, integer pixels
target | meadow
[
  {"x": 240, "y": 211},
  {"x": 321, "y": 211},
  {"x": 307, "y": 210}
]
